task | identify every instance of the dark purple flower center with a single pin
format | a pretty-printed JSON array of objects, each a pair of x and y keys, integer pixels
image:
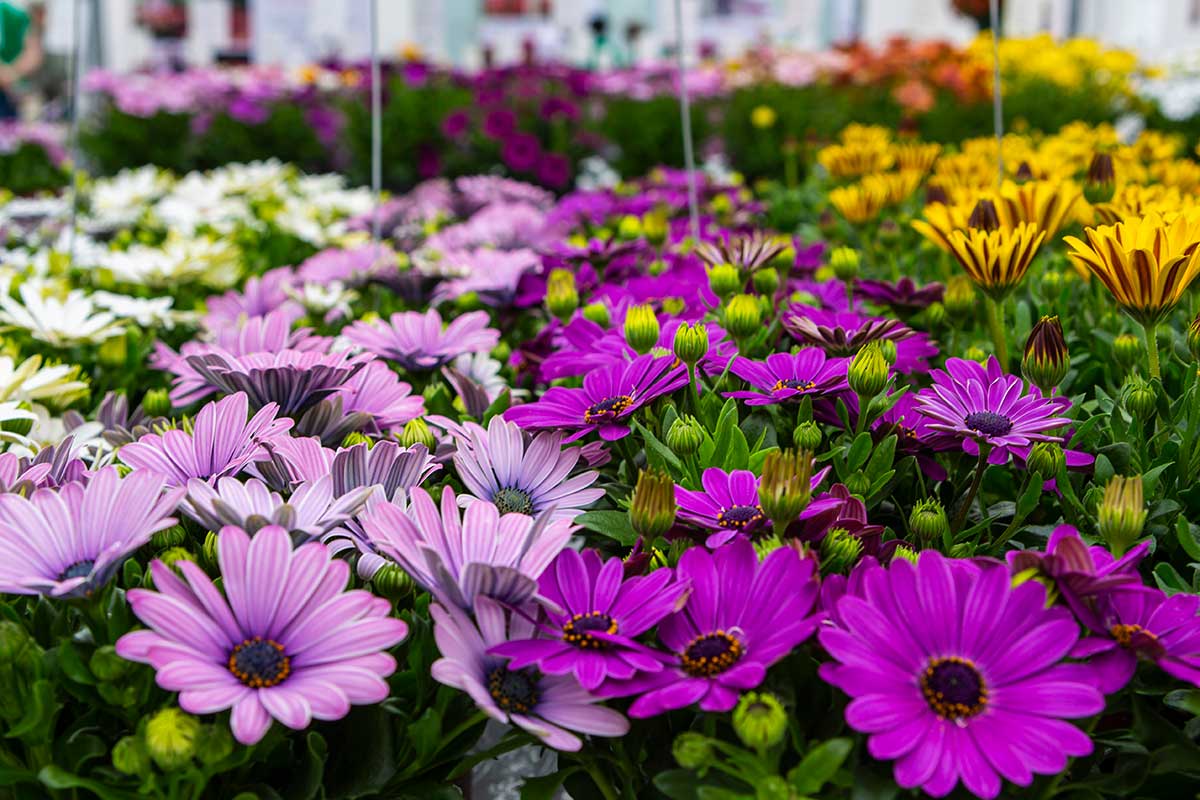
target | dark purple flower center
[
  {"x": 260, "y": 663},
  {"x": 954, "y": 688},
  {"x": 740, "y": 517},
  {"x": 80, "y": 569},
  {"x": 989, "y": 423},
  {"x": 579, "y": 628},
  {"x": 792, "y": 383},
  {"x": 514, "y": 690},
  {"x": 711, "y": 654},
  {"x": 1138, "y": 639},
  {"x": 607, "y": 409},
  {"x": 513, "y": 501}
]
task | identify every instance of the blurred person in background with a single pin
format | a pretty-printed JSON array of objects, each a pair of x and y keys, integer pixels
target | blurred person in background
[{"x": 21, "y": 52}]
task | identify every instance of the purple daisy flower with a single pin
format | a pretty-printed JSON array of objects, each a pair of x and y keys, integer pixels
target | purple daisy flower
[
  {"x": 597, "y": 619},
  {"x": 957, "y": 675},
  {"x": 1143, "y": 623},
  {"x": 549, "y": 707},
  {"x": 354, "y": 266},
  {"x": 393, "y": 468},
  {"x": 377, "y": 390},
  {"x": 985, "y": 407},
  {"x": 903, "y": 296},
  {"x": 608, "y": 397},
  {"x": 728, "y": 504},
  {"x": 294, "y": 379},
  {"x": 741, "y": 617},
  {"x": 259, "y": 297},
  {"x": 418, "y": 341},
  {"x": 284, "y": 642},
  {"x": 843, "y": 333},
  {"x": 790, "y": 376},
  {"x": 583, "y": 346},
  {"x": 221, "y": 443},
  {"x": 522, "y": 477},
  {"x": 68, "y": 542},
  {"x": 460, "y": 558},
  {"x": 311, "y": 511}
]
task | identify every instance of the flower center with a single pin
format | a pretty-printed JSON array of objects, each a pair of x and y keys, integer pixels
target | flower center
[
  {"x": 607, "y": 409},
  {"x": 740, "y": 517},
  {"x": 513, "y": 501},
  {"x": 954, "y": 688},
  {"x": 792, "y": 383},
  {"x": 260, "y": 663},
  {"x": 1138, "y": 639},
  {"x": 711, "y": 654},
  {"x": 80, "y": 569},
  {"x": 989, "y": 423},
  {"x": 579, "y": 628},
  {"x": 515, "y": 691}
]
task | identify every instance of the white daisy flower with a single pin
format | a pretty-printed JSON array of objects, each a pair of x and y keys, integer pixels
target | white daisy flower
[{"x": 57, "y": 320}]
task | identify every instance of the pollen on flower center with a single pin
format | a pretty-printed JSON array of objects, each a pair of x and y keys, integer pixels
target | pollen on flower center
[
  {"x": 607, "y": 409},
  {"x": 792, "y": 383},
  {"x": 954, "y": 688},
  {"x": 515, "y": 691},
  {"x": 740, "y": 517},
  {"x": 80, "y": 569},
  {"x": 989, "y": 423},
  {"x": 1137, "y": 638},
  {"x": 579, "y": 628},
  {"x": 711, "y": 654},
  {"x": 260, "y": 663},
  {"x": 511, "y": 500}
]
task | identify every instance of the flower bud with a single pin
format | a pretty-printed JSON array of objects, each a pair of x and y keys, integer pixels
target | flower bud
[
  {"x": 692, "y": 750},
  {"x": 1139, "y": 398},
  {"x": 766, "y": 281},
  {"x": 959, "y": 297},
  {"x": 416, "y": 431},
  {"x": 1101, "y": 179},
  {"x": 657, "y": 267},
  {"x": 984, "y": 217},
  {"x": 868, "y": 375},
  {"x": 170, "y": 738},
  {"x": 209, "y": 551},
  {"x": 785, "y": 259},
  {"x": 858, "y": 483},
  {"x": 1193, "y": 338},
  {"x": 652, "y": 507},
  {"x": 641, "y": 328},
  {"x": 157, "y": 403},
  {"x": 1046, "y": 459},
  {"x": 887, "y": 348},
  {"x": 762, "y": 117},
  {"x": 786, "y": 484},
  {"x": 685, "y": 436},
  {"x": 1046, "y": 358},
  {"x": 840, "y": 550},
  {"x": 114, "y": 351},
  {"x": 935, "y": 315},
  {"x": 392, "y": 583},
  {"x": 630, "y": 227},
  {"x": 1127, "y": 350},
  {"x": 743, "y": 316},
  {"x": 844, "y": 261},
  {"x": 129, "y": 756},
  {"x": 562, "y": 298},
  {"x": 691, "y": 343},
  {"x": 905, "y": 553},
  {"x": 928, "y": 521},
  {"x": 974, "y": 353},
  {"x": 171, "y": 537},
  {"x": 1122, "y": 513},
  {"x": 1051, "y": 285},
  {"x": 169, "y": 557},
  {"x": 724, "y": 280},
  {"x": 807, "y": 436},
  {"x": 355, "y": 437},
  {"x": 106, "y": 665},
  {"x": 597, "y": 313},
  {"x": 760, "y": 720},
  {"x": 214, "y": 744},
  {"x": 654, "y": 228}
]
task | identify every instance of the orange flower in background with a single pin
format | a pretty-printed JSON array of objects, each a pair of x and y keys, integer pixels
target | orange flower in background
[{"x": 914, "y": 95}]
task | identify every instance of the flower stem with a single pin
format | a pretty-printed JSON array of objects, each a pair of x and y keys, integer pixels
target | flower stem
[
  {"x": 1151, "y": 329},
  {"x": 961, "y": 516},
  {"x": 995, "y": 321},
  {"x": 864, "y": 414},
  {"x": 601, "y": 780}
]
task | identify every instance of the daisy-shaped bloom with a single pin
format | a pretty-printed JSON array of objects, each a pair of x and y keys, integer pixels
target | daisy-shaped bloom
[
  {"x": 377, "y": 390},
  {"x": 582, "y": 346},
  {"x": 609, "y": 396},
  {"x": 1143, "y": 623},
  {"x": 843, "y": 333},
  {"x": 548, "y": 706},
  {"x": 903, "y": 296},
  {"x": 418, "y": 341},
  {"x": 524, "y": 477},
  {"x": 790, "y": 376},
  {"x": 957, "y": 675},
  {"x": 221, "y": 443},
  {"x": 459, "y": 556},
  {"x": 996, "y": 260},
  {"x": 741, "y": 617},
  {"x": 57, "y": 321},
  {"x": 491, "y": 274},
  {"x": 392, "y": 468},
  {"x": 291, "y": 379},
  {"x": 260, "y": 296},
  {"x": 596, "y": 620},
  {"x": 354, "y": 266},
  {"x": 283, "y": 642},
  {"x": 728, "y": 504},
  {"x": 985, "y": 407},
  {"x": 311, "y": 511},
  {"x": 56, "y": 385},
  {"x": 68, "y": 542}
]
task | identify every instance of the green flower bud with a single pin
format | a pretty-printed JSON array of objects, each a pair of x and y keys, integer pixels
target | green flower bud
[
  {"x": 691, "y": 343},
  {"x": 417, "y": 432},
  {"x": 673, "y": 306},
  {"x": 807, "y": 436},
  {"x": 765, "y": 545},
  {"x": 840, "y": 550},
  {"x": 743, "y": 316},
  {"x": 157, "y": 403},
  {"x": 129, "y": 756},
  {"x": 766, "y": 282},
  {"x": 888, "y": 230},
  {"x": 652, "y": 506},
  {"x": 868, "y": 374},
  {"x": 724, "y": 280},
  {"x": 170, "y": 738},
  {"x": 759, "y": 720},
  {"x": 928, "y": 521},
  {"x": 1051, "y": 285},
  {"x": 858, "y": 483},
  {"x": 962, "y": 550},
  {"x": 685, "y": 436},
  {"x": 786, "y": 484},
  {"x": 641, "y": 328},
  {"x": 975, "y": 354},
  {"x": 692, "y": 750},
  {"x": 355, "y": 437},
  {"x": 905, "y": 553},
  {"x": 597, "y": 313},
  {"x": 171, "y": 537},
  {"x": 935, "y": 315},
  {"x": 392, "y": 583},
  {"x": 1193, "y": 338},
  {"x": 657, "y": 267},
  {"x": 785, "y": 259},
  {"x": 468, "y": 301},
  {"x": 1101, "y": 179},
  {"x": 562, "y": 298},
  {"x": 887, "y": 349},
  {"x": 630, "y": 227},
  {"x": 1046, "y": 459},
  {"x": 1122, "y": 513},
  {"x": 106, "y": 665},
  {"x": 845, "y": 262},
  {"x": 959, "y": 298},
  {"x": 113, "y": 351},
  {"x": 168, "y": 557},
  {"x": 1139, "y": 398},
  {"x": 209, "y": 551},
  {"x": 1127, "y": 350},
  {"x": 654, "y": 228},
  {"x": 214, "y": 744},
  {"x": 1046, "y": 358}
]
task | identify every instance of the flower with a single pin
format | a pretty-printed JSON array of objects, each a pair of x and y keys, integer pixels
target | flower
[
  {"x": 293, "y": 380},
  {"x": 789, "y": 376},
  {"x": 222, "y": 442},
  {"x": 741, "y": 617},
  {"x": 377, "y": 390},
  {"x": 608, "y": 397},
  {"x": 392, "y": 468},
  {"x": 418, "y": 341},
  {"x": 458, "y": 559},
  {"x": 59, "y": 322},
  {"x": 728, "y": 503},
  {"x": 284, "y": 642},
  {"x": 995, "y": 259},
  {"x": 1046, "y": 358},
  {"x": 68, "y": 542},
  {"x": 547, "y": 706},
  {"x": 311, "y": 511},
  {"x": 596, "y": 620},
  {"x": 985, "y": 407},
  {"x": 843, "y": 333},
  {"x": 523, "y": 477},
  {"x": 955, "y": 675},
  {"x": 904, "y": 296},
  {"x": 54, "y": 384}
]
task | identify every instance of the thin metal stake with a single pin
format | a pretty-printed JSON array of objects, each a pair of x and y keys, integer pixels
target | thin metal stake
[
  {"x": 997, "y": 102},
  {"x": 376, "y": 125},
  {"x": 685, "y": 113},
  {"x": 73, "y": 69}
]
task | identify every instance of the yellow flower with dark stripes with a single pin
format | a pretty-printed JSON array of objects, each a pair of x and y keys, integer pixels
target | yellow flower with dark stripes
[
  {"x": 852, "y": 160},
  {"x": 1146, "y": 263},
  {"x": 859, "y": 202},
  {"x": 996, "y": 260},
  {"x": 1047, "y": 204},
  {"x": 917, "y": 156}
]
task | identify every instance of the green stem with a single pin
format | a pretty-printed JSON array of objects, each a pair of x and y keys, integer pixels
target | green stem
[
  {"x": 1151, "y": 329},
  {"x": 961, "y": 516},
  {"x": 864, "y": 414},
  {"x": 475, "y": 719},
  {"x": 601, "y": 780},
  {"x": 1017, "y": 519},
  {"x": 995, "y": 321}
]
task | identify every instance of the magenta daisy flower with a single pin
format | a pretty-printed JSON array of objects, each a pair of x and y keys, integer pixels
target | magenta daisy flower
[
  {"x": 843, "y": 333},
  {"x": 68, "y": 542},
  {"x": 790, "y": 376},
  {"x": 419, "y": 341},
  {"x": 958, "y": 676},
  {"x": 594, "y": 618},
  {"x": 377, "y": 390},
  {"x": 728, "y": 504},
  {"x": 985, "y": 407},
  {"x": 283, "y": 642},
  {"x": 553, "y": 708},
  {"x": 221, "y": 443},
  {"x": 741, "y": 617},
  {"x": 608, "y": 397},
  {"x": 524, "y": 477},
  {"x": 903, "y": 296}
]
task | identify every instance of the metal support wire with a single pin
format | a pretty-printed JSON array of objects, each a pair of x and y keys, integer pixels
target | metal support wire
[
  {"x": 997, "y": 102},
  {"x": 376, "y": 126},
  {"x": 74, "y": 68},
  {"x": 685, "y": 113}
]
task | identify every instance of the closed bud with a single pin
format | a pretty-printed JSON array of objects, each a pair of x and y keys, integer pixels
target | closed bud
[
  {"x": 171, "y": 537},
  {"x": 785, "y": 259},
  {"x": 857, "y": 483},
  {"x": 170, "y": 557},
  {"x": 959, "y": 298},
  {"x": 597, "y": 313},
  {"x": 724, "y": 280},
  {"x": 1193, "y": 338},
  {"x": 887, "y": 349},
  {"x": 1046, "y": 359},
  {"x": 786, "y": 484},
  {"x": 1139, "y": 398},
  {"x": 692, "y": 750},
  {"x": 807, "y": 436},
  {"x": 157, "y": 403},
  {"x": 840, "y": 550},
  {"x": 691, "y": 343},
  {"x": 1051, "y": 285},
  {"x": 214, "y": 744},
  {"x": 392, "y": 583},
  {"x": 868, "y": 375},
  {"x": 355, "y": 437},
  {"x": 766, "y": 282},
  {"x": 673, "y": 306},
  {"x": 106, "y": 665},
  {"x": 170, "y": 738},
  {"x": 209, "y": 551},
  {"x": 1122, "y": 513},
  {"x": 984, "y": 217},
  {"x": 1046, "y": 459},
  {"x": 743, "y": 316},
  {"x": 654, "y": 228},
  {"x": 641, "y": 328},
  {"x": 652, "y": 507},
  {"x": 845, "y": 262},
  {"x": 760, "y": 720},
  {"x": 1101, "y": 179},
  {"x": 417, "y": 432},
  {"x": 928, "y": 521},
  {"x": 888, "y": 230},
  {"x": 1127, "y": 350},
  {"x": 657, "y": 267},
  {"x": 129, "y": 756},
  {"x": 113, "y": 351},
  {"x": 562, "y": 298},
  {"x": 685, "y": 436},
  {"x": 935, "y": 315},
  {"x": 630, "y": 227},
  {"x": 905, "y": 553},
  {"x": 974, "y": 353}
]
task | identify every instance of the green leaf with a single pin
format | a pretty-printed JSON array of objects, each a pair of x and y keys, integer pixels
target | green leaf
[
  {"x": 55, "y": 777},
  {"x": 498, "y": 406},
  {"x": 41, "y": 708},
  {"x": 737, "y": 455},
  {"x": 882, "y": 458},
  {"x": 1187, "y": 538},
  {"x": 364, "y": 759},
  {"x": 306, "y": 783},
  {"x": 860, "y": 451},
  {"x": 613, "y": 524},
  {"x": 1029, "y": 499},
  {"x": 819, "y": 766},
  {"x": 71, "y": 663},
  {"x": 426, "y": 733},
  {"x": 1184, "y": 700},
  {"x": 546, "y": 786},
  {"x": 678, "y": 784},
  {"x": 660, "y": 450},
  {"x": 1169, "y": 580}
]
